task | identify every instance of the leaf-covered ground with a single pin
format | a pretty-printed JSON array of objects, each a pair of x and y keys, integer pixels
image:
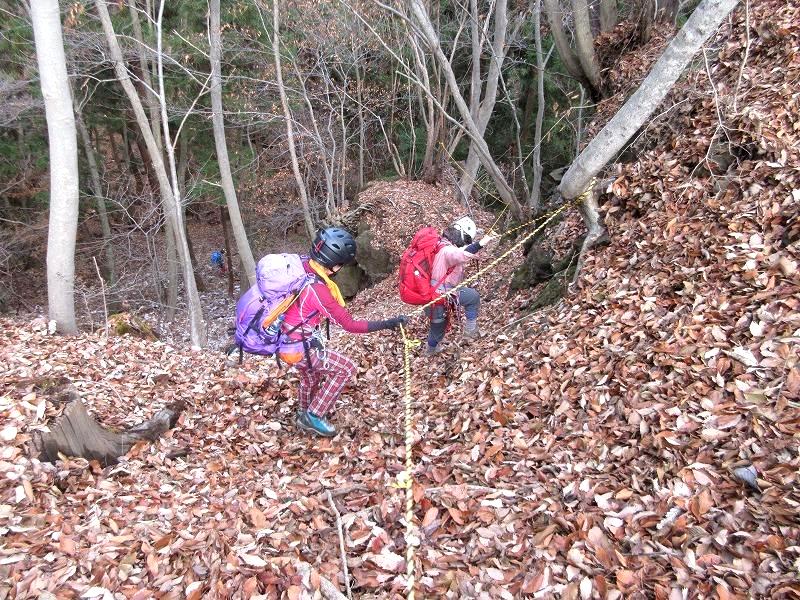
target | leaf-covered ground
[{"x": 639, "y": 439}]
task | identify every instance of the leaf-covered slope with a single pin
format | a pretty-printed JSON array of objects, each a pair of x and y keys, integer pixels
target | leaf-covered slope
[{"x": 638, "y": 439}]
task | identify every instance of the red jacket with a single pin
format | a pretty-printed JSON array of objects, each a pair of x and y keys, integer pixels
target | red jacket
[{"x": 314, "y": 304}]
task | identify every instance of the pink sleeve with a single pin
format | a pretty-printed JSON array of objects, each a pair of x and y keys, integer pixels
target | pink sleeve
[
  {"x": 328, "y": 307},
  {"x": 447, "y": 258}
]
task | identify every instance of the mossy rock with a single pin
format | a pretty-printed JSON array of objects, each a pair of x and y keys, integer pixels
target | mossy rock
[
  {"x": 350, "y": 280},
  {"x": 538, "y": 267},
  {"x": 129, "y": 324},
  {"x": 376, "y": 262},
  {"x": 554, "y": 289}
]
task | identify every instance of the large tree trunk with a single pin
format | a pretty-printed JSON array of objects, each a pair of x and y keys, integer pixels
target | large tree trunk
[
  {"x": 704, "y": 21},
  {"x": 109, "y": 268},
  {"x": 584, "y": 41},
  {"x": 76, "y": 433},
  {"x": 565, "y": 51},
  {"x": 486, "y": 108},
  {"x": 506, "y": 193},
  {"x": 301, "y": 186},
  {"x": 62, "y": 142},
  {"x": 218, "y": 120},
  {"x": 197, "y": 328}
]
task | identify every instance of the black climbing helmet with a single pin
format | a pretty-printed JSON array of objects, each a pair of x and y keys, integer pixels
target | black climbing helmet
[{"x": 333, "y": 246}]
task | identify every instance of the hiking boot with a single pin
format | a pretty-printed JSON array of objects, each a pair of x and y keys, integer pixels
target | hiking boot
[
  {"x": 433, "y": 350},
  {"x": 311, "y": 422},
  {"x": 473, "y": 334}
]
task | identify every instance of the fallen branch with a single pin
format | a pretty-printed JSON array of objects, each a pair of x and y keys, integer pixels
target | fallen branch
[
  {"x": 341, "y": 545},
  {"x": 76, "y": 433}
]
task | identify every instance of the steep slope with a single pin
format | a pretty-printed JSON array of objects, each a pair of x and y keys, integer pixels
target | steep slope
[{"x": 588, "y": 450}]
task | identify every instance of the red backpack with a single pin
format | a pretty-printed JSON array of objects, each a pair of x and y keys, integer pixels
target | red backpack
[{"x": 416, "y": 264}]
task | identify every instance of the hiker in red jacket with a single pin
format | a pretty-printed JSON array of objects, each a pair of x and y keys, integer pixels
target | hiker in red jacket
[
  {"x": 447, "y": 272},
  {"x": 323, "y": 372}
]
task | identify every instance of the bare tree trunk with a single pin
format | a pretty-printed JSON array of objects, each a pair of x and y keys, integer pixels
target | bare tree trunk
[
  {"x": 361, "y": 127},
  {"x": 172, "y": 203},
  {"x": 486, "y": 107},
  {"x": 147, "y": 82},
  {"x": 534, "y": 201},
  {"x": 327, "y": 165},
  {"x": 608, "y": 15},
  {"x": 62, "y": 142},
  {"x": 173, "y": 268},
  {"x": 585, "y": 43},
  {"x": 704, "y": 21},
  {"x": 218, "y": 120},
  {"x": 565, "y": 51},
  {"x": 506, "y": 193},
  {"x": 579, "y": 127},
  {"x": 109, "y": 267},
  {"x": 301, "y": 186},
  {"x": 223, "y": 218},
  {"x": 646, "y": 20}
]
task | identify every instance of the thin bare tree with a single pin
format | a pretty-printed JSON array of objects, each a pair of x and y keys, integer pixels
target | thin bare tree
[
  {"x": 62, "y": 142},
  {"x": 507, "y": 195},
  {"x": 218, "y": 120},
  {"x": 555, "y": 16},
  {"x": 298, "y": 177},
  {"x": 172, "y": 208},
  {"x": 482, "y": 104},
  {"x": 534, "y": 200}
]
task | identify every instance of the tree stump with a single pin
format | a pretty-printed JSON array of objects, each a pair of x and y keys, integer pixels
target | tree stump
[{"x": 76, "y": 433}]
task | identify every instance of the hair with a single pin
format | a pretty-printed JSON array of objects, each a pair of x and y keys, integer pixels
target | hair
[{"x": 456, "y": 236}]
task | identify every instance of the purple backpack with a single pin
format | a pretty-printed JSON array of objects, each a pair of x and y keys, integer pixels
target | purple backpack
[{"x": 259, "y": 312}]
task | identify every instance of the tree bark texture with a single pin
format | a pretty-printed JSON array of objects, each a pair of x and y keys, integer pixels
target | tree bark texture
[
  {"x": 485, "y": 108},
  {"x": 584, "y": 41},
  {"x": 704, "y": 21},
  {"x": 608, "y": 15},
  {"x": 218, "y": 120},
  {"x": 63, "y": 145},
  {"x": 76, "y": 433},
  {"x": 565, "y": 51},
  {"x": 534, "y": 201}
]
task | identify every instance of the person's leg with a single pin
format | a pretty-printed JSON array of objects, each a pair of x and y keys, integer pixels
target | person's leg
[
  {"x": 438, "y": 316},
  {"x": 308, "y": 383},
  {"x": 334, "y": 371},
  {"x": 470, "y": 301}
]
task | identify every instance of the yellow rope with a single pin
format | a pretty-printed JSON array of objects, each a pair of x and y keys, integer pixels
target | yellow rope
[{"x": 405, "y": 479}]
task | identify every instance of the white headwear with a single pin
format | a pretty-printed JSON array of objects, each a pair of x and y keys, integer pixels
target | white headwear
[{"x": 466, "y": 226}]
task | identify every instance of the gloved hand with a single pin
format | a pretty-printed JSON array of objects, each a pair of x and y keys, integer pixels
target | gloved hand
[
  {"x": 395, "y": 322},
  {"x": 487, "y": 239}
]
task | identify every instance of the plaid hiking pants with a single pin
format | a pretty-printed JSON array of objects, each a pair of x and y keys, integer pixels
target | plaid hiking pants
[{"x": 321, "y": 385}]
